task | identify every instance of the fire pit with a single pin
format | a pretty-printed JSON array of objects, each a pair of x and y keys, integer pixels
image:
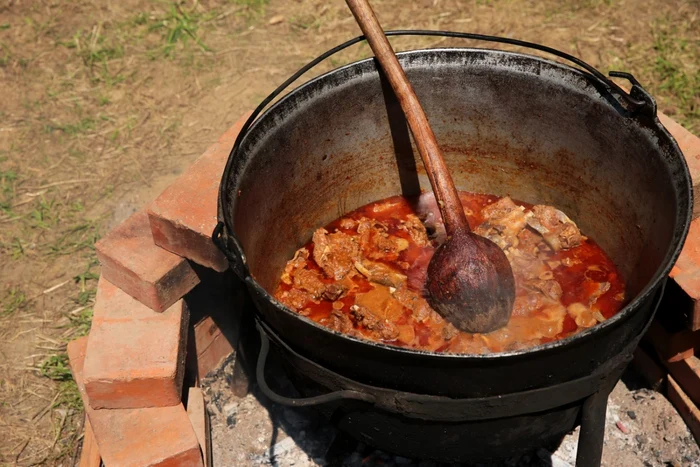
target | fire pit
[{"x": 510, "y": 124}]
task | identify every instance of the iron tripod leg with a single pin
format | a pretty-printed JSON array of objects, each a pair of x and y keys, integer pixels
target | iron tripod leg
[{"x": 592, "y": 434}]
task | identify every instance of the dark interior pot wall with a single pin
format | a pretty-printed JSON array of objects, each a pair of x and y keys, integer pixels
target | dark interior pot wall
[{"x": 507, "y": 125}]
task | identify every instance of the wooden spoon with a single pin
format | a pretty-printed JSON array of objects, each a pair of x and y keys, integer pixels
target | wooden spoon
[{"x": 470, "y": 282}]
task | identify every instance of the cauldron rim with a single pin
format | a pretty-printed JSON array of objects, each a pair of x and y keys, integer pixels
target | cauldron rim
[{"x": 307, "y": 88}]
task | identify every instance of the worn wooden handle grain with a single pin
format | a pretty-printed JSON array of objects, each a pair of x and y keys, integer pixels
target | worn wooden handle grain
[{"x": 445, "y": 192}]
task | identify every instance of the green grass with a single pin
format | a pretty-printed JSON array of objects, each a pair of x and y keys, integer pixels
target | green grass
[
  {"x": 178, "y": 26},
  {"x": 675, "y": 69},
  {"x": 252, "y": 8},
  {"x": 87, "y": 281},
  {"x": 81, "y": 322},
  {"x": 256, "y": 5},
  {"x": 84, "y": 125},
  {"x": 7, "y": 191},
  {"x": 56, "y": 367},
  {"x": 6, "y": 178},
  {"x": 15, "y": 299},
  {"x": 76, "y": 237},
  {"x": 44, "y": 215},
  {"x": 16, "y": 249},
  {"x": 94, "y": 47},
  {"x": 69, "y": 396}
]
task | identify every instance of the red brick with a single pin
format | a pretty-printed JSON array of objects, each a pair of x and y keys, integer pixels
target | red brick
[
  {"x": 230, "y": 135},
  {"x": 210, "y": 346},
  {"x": 687, "y": 375},
  {"x": 687, "y": 410},
  {"x": 672, "y": 346},
  {"x": 135, "y": 355},
  {"x": 90, "y": 452},
  {"x": 686, "y": 274},
  {"x": 150, "y": 437},
  {"x": 185, "y": 214},
  {"x": 196, "y": 410},
  {"x": 651, "y": 370},
  {"x": 690, "y": 146},
  {"x": 130, "y": 260}
]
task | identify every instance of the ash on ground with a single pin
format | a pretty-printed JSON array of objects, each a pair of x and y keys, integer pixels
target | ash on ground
[{"x": 642, "y": 429}]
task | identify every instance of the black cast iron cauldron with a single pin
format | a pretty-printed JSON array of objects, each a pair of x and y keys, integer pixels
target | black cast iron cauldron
[{"x": 508, "y": 123}]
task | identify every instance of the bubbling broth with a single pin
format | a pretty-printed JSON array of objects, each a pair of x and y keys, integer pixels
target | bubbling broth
[{"x": 364, "y": 274}]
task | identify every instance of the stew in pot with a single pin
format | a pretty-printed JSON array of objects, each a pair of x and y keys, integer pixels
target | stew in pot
[{"x": 363, "y": 275}]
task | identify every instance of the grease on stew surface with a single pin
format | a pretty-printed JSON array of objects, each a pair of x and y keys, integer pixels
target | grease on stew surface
[{"x": 364, "y": 275}]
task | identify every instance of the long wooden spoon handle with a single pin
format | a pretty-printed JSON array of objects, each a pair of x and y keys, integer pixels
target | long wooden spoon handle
[{"x": 445, "y": 192}]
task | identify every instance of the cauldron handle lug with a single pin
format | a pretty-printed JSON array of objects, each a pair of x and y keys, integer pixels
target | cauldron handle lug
[
  {"x": 298, "y": 402},
  {"x": 235, "y": 256},
  {"x": 648, "y": 108}
]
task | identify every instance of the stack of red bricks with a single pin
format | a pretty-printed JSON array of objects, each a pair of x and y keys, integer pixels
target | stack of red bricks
[
  {"x": 131, "y": 368},
  {"x": 668, "y": 355}
]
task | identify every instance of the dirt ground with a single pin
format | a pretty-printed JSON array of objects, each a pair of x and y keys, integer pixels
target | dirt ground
[{"x": 103, "y": 103}]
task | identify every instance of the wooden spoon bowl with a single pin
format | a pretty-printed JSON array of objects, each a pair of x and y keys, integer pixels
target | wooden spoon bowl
[{"x": 470, "y": 283}]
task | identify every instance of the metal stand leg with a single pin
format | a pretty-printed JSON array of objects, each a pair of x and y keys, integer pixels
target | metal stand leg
[{"x": 590, "y": 441}]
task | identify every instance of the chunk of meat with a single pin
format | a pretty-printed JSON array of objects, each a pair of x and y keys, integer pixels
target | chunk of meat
[
  {"x": 307, "y": 280},
  {"x": 365, "y": 318},
  {"x": 295, "y": 299},
  {"x": 366, "y": 227},
  {"x": 376, "y": 243},
  {"x": 414, "y": 302},
  {"x": 527, "y": 302},
  {"x": 415, "y": 229},
  {"x": 380, "y": 273},
  {"x": 301, "y": 256},
  {"x": 339, "y": 321},
  {"x": 529, "y": 241},
  {"x": 560, "y": 232},
  {"x": 335, "y": 253},
  {"x": 550, "y": 288},
  {"x": 334, "y": 291},
  {"x": 385, "y": 246},
  {"x": 526, "y": 265},
  {"x": 504, "y": 220},
  {"x": 348, "y": 223},
  {"x": 428, "y": 212},
  {"x": 310, "y": 282}
]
